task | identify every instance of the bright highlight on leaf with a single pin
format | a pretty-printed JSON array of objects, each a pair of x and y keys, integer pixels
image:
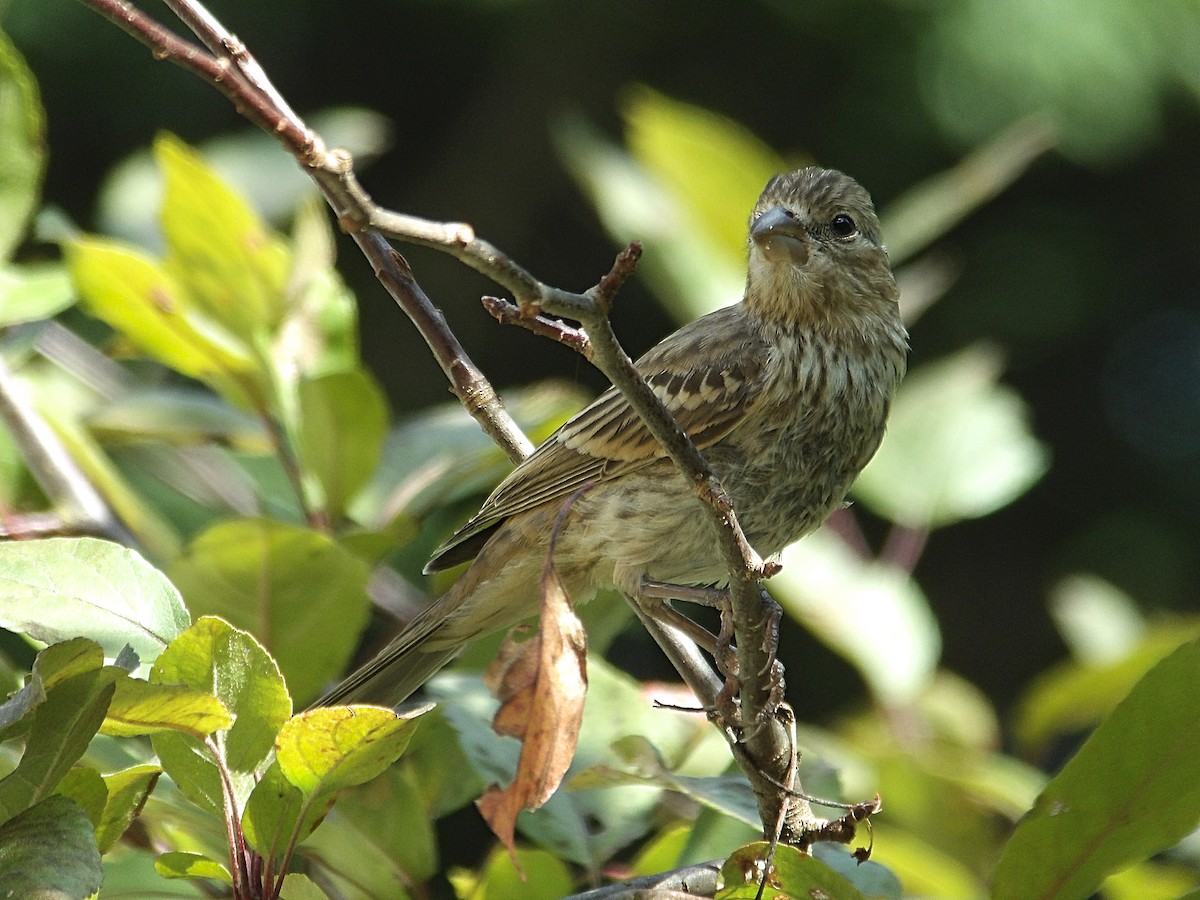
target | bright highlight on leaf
[
  {"x": 326, "y": 750},
  {"x": 58, "y": 588}
]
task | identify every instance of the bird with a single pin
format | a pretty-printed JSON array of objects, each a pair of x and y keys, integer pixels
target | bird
[{"x": 786, "y": 393}]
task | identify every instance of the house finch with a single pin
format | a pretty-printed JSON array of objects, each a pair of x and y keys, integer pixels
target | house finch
[{"x": 786, "y": 393}]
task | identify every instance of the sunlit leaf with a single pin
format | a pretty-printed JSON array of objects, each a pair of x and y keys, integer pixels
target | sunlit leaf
[
  {"x": 140, "y": 707},
  {"x": 958, "y": 446},
  {"x": 62, "y": 587},
  {"x": 533, "y": 875},
  {"x": 232, "y": 266},
  {"x": 22, "y": 148},
  {"x": 149, "y": 307},
  {"x": 303, "y": 592},
  {"x": 325, "y": 750},
  {"x": 714, "y": 166},
  {"x": 215, "y": 657},
  {"x": 49, "y": 851},
  {"x": 1130, "y": 792}
]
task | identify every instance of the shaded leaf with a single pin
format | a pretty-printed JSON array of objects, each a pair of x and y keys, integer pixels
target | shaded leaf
[
  {"x": 30, "y": 293},
  {"x": 342, "y": 424},
  {"x": 1073, "y": 696},
  {"x": 215, "y": 657},
  {"x": 177, "y": 416},
  {"x": 872, "y": 613},
  {"x": 794, "y": 874},
  {"x": 127, "y": 793},
  {"x": 278, "y": 811},
  {"x": 181, "y": 864},
  {"x": 62, "y": 587},
  {"x": 305, "y": 594},
  {"x": 61, "y": 728},
  {"x": 49, "y": 851},
  {"x": 541, "y": 686},
  {"x": 932, "y": 208},
  {"x": 300, "y": 887},
  {"x": 22, "y": 147},
  {"x": 958, "y": 446},
  {"x": 87, "y": 788},
  {"x": 1130, "y": 792}
]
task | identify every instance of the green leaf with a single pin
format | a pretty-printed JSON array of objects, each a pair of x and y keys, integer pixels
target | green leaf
[
  {"x": 1130, "y": 792},
  {"x": 300, "y": 887},
  {"x": 87, "y": 788},
  {"x": 178, "y": 416},
  {"x": 795, "y": 874},
  {"x": 58, "y": 662},
  {"x": 127, "y": 793},
  {"x": 180, "y": 864},
  {"x": 872, "y": 613},
  {"x": 958, "y": 446},
  {"x": 1074, "y": 696},
  {"x": 62, "y": 587},
  {"x": 342, "y": 424},
  {"x": 49, "y": 852},
  {"x": 584, "y": 826},
  {"x": 150, "y": 307},
  {"x": 932, "y": 208},
  {"x": 713, "y": 165},
  {"x": 61, "y": 728},
  {"x": 386, "y": 819},
  {"x": 215, "y": 657},
  {"x": 277, "y": 812},
  {"x": 304, "y": 594},
  {"x": 140, "y": 707},
  {"x": 22, "y": 147},
  {"x": 233, "y": 267},
  {"x": 33, "y": 292},
  {"x": 541, "y": 876},
  {"x": 325, "y": 750}
]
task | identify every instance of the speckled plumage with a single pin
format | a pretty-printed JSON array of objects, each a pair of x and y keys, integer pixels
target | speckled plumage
[{"x": 786, "y": 393}]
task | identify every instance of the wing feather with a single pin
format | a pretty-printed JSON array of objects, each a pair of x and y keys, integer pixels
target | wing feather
[{"x": 707, "y": 374}]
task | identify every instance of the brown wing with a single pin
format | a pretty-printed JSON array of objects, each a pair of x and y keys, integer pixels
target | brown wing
[{"x": 707, "y": 374}]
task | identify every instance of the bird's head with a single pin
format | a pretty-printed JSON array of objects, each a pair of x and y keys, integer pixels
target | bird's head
[{"x": 816, "y": 253}]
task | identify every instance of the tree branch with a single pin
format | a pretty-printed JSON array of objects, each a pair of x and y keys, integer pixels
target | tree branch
[{"x": 759, "y": 739}]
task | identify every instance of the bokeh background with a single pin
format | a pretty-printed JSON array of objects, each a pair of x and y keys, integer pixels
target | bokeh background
[{"x": 1083, "y": 274}]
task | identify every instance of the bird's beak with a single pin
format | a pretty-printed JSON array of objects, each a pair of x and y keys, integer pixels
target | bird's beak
[{"x": 780, "y": 237}]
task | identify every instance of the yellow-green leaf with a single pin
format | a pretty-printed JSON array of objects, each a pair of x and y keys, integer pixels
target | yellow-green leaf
[
  {"x": 139, "y": 707},
  {"x": 149, "y": 307},
  {"x": 218, "y": 248},
  {"x": 325, "y": 750}
]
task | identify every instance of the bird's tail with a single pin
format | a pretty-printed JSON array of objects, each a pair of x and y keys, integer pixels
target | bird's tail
[{"x": 496, "y": 592}]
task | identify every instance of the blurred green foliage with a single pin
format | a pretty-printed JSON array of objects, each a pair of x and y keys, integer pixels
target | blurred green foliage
[{"x": 1020, "y": 566}]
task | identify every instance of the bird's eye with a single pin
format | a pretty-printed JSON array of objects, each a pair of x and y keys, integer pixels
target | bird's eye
[{"x": 843, "y": 226}]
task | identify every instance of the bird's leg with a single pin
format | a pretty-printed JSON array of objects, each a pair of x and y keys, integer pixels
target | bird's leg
[{"x": 720, "y": 645}]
